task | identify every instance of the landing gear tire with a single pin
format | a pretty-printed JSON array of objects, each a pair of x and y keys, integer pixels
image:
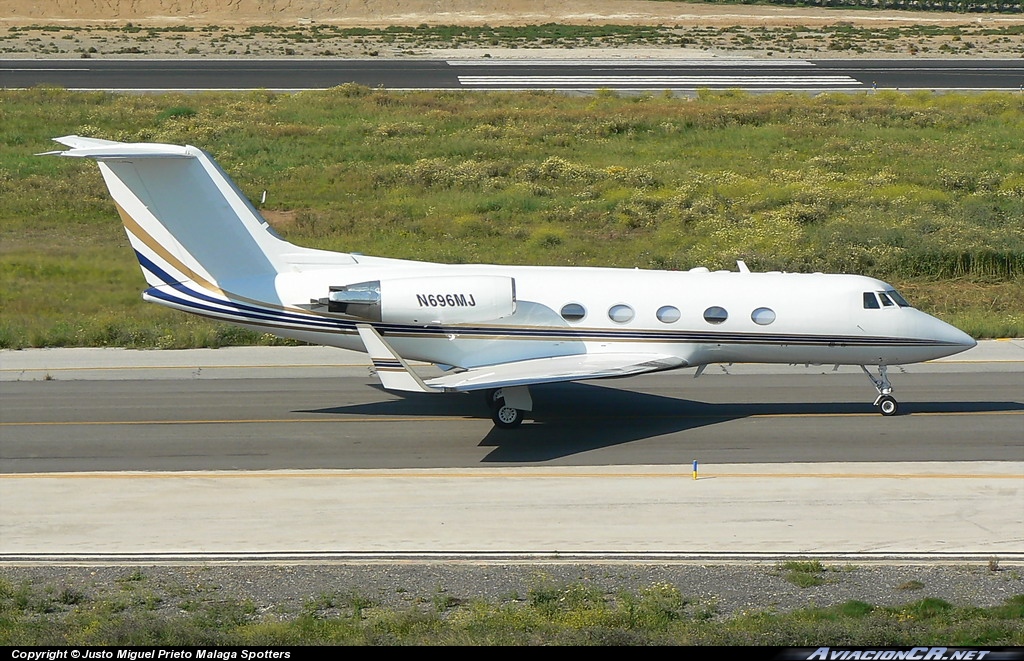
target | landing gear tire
[
  {"x": 887, "y": 405},
  {"x": 495, "y": 399},
  {"x": 885, "y": 402},
  {"x": 507, "y": 417}
]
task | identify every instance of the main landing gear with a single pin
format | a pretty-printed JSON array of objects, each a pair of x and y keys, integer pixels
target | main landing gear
[
  {"x": 885, "y": 402},
  {"x": 503, "y": 415}
]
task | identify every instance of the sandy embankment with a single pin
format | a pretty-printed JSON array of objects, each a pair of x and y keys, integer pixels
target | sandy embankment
[
  {"x": 220, "y": 28},
  {"x": 454, "y": 12}
]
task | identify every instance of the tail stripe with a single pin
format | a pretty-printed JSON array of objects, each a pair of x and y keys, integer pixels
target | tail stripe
[
  {"x": 228, "y": 304},
  {"x": 136, "y": 231},
  {"x": 267, "y": 319}
]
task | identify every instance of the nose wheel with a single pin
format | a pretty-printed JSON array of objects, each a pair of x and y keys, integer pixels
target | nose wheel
[{"x": 886, "y": 403}]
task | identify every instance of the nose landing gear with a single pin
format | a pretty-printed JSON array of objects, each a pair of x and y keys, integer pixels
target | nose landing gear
[{"x": 886, "y": 403}]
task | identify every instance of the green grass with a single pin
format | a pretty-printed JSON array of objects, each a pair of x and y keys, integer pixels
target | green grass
[
  {"x": 804, "y": 573},
  {"x": 921, "y": 190},
  {"x": 550, "y": 613}
]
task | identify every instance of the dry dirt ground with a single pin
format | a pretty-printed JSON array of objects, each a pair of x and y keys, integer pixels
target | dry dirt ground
[
  {"x": 444, "y": 12},
  {"x": 311, "y": 28}
]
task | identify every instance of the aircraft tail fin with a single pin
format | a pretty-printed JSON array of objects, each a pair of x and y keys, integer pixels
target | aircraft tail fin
[{"x": 185, "y": 218}]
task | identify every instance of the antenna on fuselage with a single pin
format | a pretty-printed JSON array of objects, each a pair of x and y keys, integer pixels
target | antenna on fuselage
[{"x": 742, "y": 266}]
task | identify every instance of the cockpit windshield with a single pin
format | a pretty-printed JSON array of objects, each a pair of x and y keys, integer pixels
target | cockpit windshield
[
  {"x": 874, "y": 300},
  {"x": 900, "y": 301}
]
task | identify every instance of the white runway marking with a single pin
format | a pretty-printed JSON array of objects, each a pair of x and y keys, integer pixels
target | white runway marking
[
  {"x": 661, "y": 81},
  {"x": 631, "y": 64},
  {"x": 42, "y": 69}
]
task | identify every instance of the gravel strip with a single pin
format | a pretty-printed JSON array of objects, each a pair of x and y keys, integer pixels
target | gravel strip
[{"x": 721, "y": 590}]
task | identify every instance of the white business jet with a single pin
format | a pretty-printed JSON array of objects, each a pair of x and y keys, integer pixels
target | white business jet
[{"x": 205, "y": 249}]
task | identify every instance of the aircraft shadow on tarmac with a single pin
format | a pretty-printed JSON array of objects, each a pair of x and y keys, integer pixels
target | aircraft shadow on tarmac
[{"x": 571, "y": 418}]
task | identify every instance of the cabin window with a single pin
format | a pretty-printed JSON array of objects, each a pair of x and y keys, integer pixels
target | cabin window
[
  {"x": 573, "y": 312},
  {"x": 870, "y": 302},
  {"x": 668, "y": 314},
  {"x": 763, "y": 316},
  {"x": 715, "y": 315},
  {"x": 620, "y": 314}
]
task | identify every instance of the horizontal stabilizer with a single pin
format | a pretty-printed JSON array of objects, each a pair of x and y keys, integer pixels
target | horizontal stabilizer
[
  {"x": 80, "y": 142},
  {"x": 104, "y": 150}
]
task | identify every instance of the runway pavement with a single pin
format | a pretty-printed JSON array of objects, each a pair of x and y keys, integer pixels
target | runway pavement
[
  {"x": 892, "y": 511},
  {"x": 682, "y": 74}
]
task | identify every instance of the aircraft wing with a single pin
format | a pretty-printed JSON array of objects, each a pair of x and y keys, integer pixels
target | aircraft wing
[
  {"x": 395, "y": 373},
  {"x": 555, "y": 369}
]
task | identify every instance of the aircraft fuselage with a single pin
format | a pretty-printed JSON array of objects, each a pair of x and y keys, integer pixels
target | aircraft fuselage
[{"x": 701, "y": 317}]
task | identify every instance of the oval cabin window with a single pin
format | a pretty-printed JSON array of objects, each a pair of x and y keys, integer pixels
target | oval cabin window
[
  {"x": 668, "y": 314},
  {"x": 573, "y": 312},
  {"x": 620, "y": 314},
  {"x": 715, "y": 315}
]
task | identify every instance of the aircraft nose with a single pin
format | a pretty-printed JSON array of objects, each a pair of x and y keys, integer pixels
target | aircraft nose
[{"x": 950, "y": 335}]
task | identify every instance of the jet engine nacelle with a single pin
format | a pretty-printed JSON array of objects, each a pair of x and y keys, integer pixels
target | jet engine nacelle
[{"x": 437, "y": 299}]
